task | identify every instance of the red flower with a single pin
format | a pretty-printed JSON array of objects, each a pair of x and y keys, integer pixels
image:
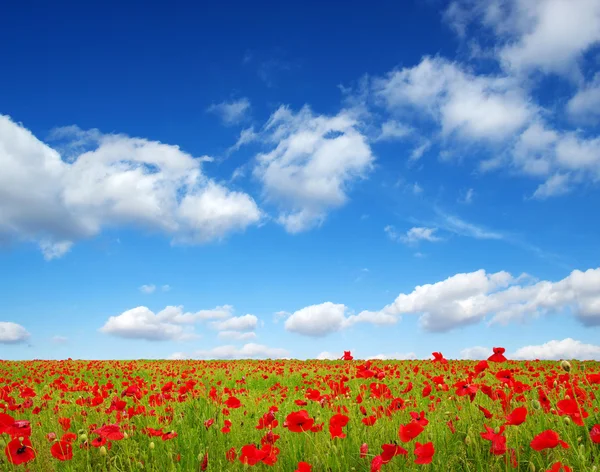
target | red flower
[
  {"x": 347, "y": 356},
  {"x": 19, "y": 452},
  {"x": 231, "y": 454},
  {"x": 376, "y": 464},
  {"x": 305, "y": 466},
  {"x": 111, "y": 432},
  {"x": 204, "y": 462},
  {"x": 298, "y": 421},
  {"x": 559, "y": 467},
  {"x": 233, "y": 402},
  {"x": 517, "y": 416},
  {"x": 336, "y": 423},
  {"x": 595, "y": 433},
  {"x": 439, "y": 357},
  {"x": 5, "y": 422},
  {"x": 62, "y": 450},
  {"x": 410, "y": 431},
  {"x": 19, "y": 429},
  {"x": 390, "y": 451},
  {"x": 498, "y": 355},
  {"x": 369, "y": 420},
  {"x": 208, "y": 423},
  {"x": 65, "y": 423},
  {"x": 424, "y": 453},
  {"x": 487, "y": 413},
  {"x": 250, "y": 455},
  {"x": 419, "y": 418},
  {"x": 548, "y": 439},
  {"x": 364, "y": 450}
]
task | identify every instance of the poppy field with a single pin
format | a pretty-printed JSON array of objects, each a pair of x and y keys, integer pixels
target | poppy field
[{"x": 291, "y": 415}]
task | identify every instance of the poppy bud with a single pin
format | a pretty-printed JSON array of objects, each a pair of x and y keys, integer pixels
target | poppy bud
[
  {"x": 125, "y": 435},
  {"x": 81, "y": 431},
  {"x": 566, "y": 366},
  {"x": 468, "y": 440},
  {"x": 555, "y": 384},
  {"x": 83, "y": 437},
  {"x": 532, "y": 467},
  {"x": 567, "y": 420},
  {"x": 535, "y": 404},
  {"x": 102, "y": 451},
  {"x": 579, "y": 439},
  {"x": 151, "y": 445}
]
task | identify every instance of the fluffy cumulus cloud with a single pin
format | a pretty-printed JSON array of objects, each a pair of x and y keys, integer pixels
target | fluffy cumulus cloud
[
  {"x": 12, "y": 333},
  {"x": 544, "y": 35},
  {"x": 313, "y": 161},
  {"x": 102, "y": 180},
  {"x": 465, "y": 299},
  {"x": 317, "y": 320},
  {"x": 476, "y": 353},
  {"x": 554, "y": 350},
  {"x": 469, "y": 298},
  {"x": 172, "y": 323},
  {"x": 462, "y": 103},
  {"x": 247, "y": 351}
]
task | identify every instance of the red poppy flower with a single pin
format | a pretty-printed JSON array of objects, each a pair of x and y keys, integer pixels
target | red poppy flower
[
  {"x": 424, "y": 453},
  {"x": 251, "y": 455},
  {"x": 559, "y": 467},
  {"x": 364, "y": 450},
  {"x": 498, "y": 355},
  {"x": 376, "y": 464},
  {"x": 336, "y": 423},
  {"x": 62, "y": 450},
  {"x": 111, "y": 432},
  {"x": 410, "y": 431},
  {"x": 5, "y": 422},
  {"x": 19, "y": 429},
  {"x": 298, "y": 421},
  {"x": 595, "y": 433},
  {"x": 347, "y": 356},
  {"x": 517, "y": 416},
  {"x": 304, "y": 466},
  {"x": 419, "y": 418},
  {"x": 231, "y": 454},
  {"x": 19, "y": 452},
  {"x": 390, "y": 451},
  {"x": 548, "y": 439},
  {"x": 487, "y": 413},
  {"x": 204, "y": 462},
  {"x": 369, "y": 420},
  {"x": 439, "y": 357},
  {"x": 233, "y": 402}
]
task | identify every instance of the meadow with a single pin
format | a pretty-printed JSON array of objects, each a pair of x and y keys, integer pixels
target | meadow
[{"x": 290, "y": 415}]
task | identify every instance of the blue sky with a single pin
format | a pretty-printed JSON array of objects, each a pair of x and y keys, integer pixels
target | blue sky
[{"x": 298, "y": 180}]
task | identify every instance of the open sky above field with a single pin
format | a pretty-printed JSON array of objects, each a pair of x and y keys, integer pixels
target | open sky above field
[{"x": 292, "y": 179}]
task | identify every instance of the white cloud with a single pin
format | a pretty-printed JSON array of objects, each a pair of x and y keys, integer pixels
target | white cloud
[
  {"x": 317, "y": 320},
  {"x": 417, "y": 234},
  {"x": 165, "y": 288},
  {"x": 400, "y": 356},
  {"x": 468, "y": 197},
  {"x": 239, "y": 323},
  {"x": 237, "y": 335},
  {"x": 171, "y": 323},
  {"x": 558, "y": 184},
  {"x": 313, "y": 163},
  {"x": 417, "y": 153},
  {"x": 469, "y": 298},
  {"x": 12, "y": 333},
  {"x": 148, "y": 288},
  {"x": 231, "y": 112},
  {"x": 554, "y": 350},
  {"x": 247, "y": 351},
  {"x": 463, "y": 104},
  {"x": 247, "y": 135},
  {"x": 546, "y": 35},
  {"x": 456, "y": 225},
  {"x": 476, "y": 353},
  {"x": 115, "y": 180},
  {"x": 393, "y": 130},
  {"x": 585, "y": 104},
  {"x": 328, "y": 356},
  {"x": 60, "y": 339}
]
